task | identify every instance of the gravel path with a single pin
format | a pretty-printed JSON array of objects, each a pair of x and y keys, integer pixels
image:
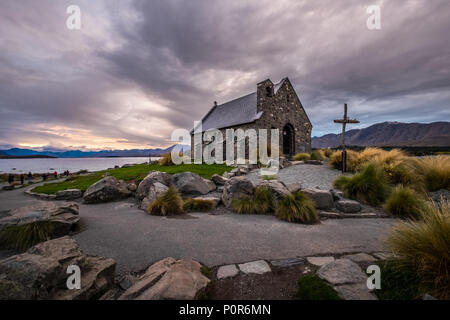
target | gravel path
[{"x": 310, "y": 176}]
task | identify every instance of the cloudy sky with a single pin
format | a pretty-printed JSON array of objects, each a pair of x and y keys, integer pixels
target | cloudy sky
[{"x": 137, "y": 69}]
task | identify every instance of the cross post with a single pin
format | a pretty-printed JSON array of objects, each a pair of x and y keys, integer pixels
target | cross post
[{"x": 344, "y": 122}]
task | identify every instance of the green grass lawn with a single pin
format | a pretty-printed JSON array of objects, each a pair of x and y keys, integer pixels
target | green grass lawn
[{"x": 136, "y": 173}]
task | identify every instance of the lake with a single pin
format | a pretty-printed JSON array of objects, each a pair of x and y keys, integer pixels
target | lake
[{"x": 63, "y": 164}]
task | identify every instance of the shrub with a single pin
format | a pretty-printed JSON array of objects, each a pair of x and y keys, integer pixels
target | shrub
[
  {"x": 272, "y": 177},
  {"x": 352, "y": 160},
  {"x": 264, "y": 201},
  {"x": 25, "y": 236},
  {"x": 436, "y": 172},
  {"x": 317, "y": 155},
  {"x": 398, "y": 282},
  {"x": 370, "y": 185},
  {"x": 297, "y": 207},
  {"x": 301, "y": 156},
  {"x": 405, "y": 203},
  {"x": 169, "y": 203},
  {"x": 261, "y": 203},
  {"x": 311, "y": 287},
  {"x": 198, "y": 205},
  {"x": 424, "y": 246},
  {"x": 166, "y": 160},
  {"x": 243, "y": 205}
]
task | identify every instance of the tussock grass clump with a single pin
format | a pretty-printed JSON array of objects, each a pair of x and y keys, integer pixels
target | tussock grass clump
[
  {"x": 166, "y": 160},
  {"x": 301, "y": 156},
  {"x": 25, "y": 236},
  {"x": 198, "y": 205},
  {"x": 424, "y": 246},
  {"x": 352, "y": 160},
  {"x": 327, "y": 152},
  {"x": 311, "y": 287},
  {"x": 369, "y": 185},
  {"x": 297, "y": 207},
  {"x": 271, "y": 177},
  {"x": 436, "y": 172},
  {"x": 317, "y": 155},
  {"x": 366, "y": 156},
  {"x": 261, "y": 203},
  {"x": 169, "y": 203},
  {"x": 244, "y": 205},
  {"x": 405, "y": 203}
]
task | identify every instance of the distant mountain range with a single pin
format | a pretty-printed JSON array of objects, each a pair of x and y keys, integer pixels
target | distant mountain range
[
  {"x": 395, "y": 134},
  {"x": 17, "y": 152}
]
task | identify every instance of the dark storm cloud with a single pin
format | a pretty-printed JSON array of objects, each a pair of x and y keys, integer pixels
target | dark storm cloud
[{"x": 140, "y": 68}]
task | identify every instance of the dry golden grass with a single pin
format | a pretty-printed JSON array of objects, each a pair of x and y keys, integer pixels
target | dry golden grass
[
  {"x": 367, "y": 155},
  {"x": 435, "y": 171},
  {"x": 169, "y": 203},
  {"x": 424, "y": 246},
  {"x": 352, "y": 160},
  {"x": 166, "y": 160},
  {"x": 301, "y": 156}
]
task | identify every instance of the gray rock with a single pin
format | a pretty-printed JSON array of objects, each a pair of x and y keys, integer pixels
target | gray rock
[
  {"x": 277, "y": 188},
  {"x": 127, "y": 281},
  {"x": 342, "y": 271},
  {"x": 356, "y": 291},
  {"x": 322, "y": 198},
  {"x": 105, "y": 190},
  {"x": 330, "y": 215},
  {"x": 69, "y": 194},
  {"x": 154, "y": 176},
  {"x": 314, "y": 162},
  {"x": 227, "y": 271},
  {"x": 320, "y": 261},
  {"x": 236, "y": 188},
  {"x": 258, "y": 267},
  {"x": 426, "y": 296},
  {"x": 40, "y": 273},
  {"x": 383, "y": 255},
  {"x": 62, "y": 216},
  {"x": 132, "y": 187},
  {"x": 287, "y": 262},
  {"x": 337, "y": 194},
  {"x": 219, "y": 180},
  {"x": 192, "y": 184},
  {"x": 359, "y": 257},
  {"x": 348, "y": 206},
  {"x": 293, "y": 187},
  {"x": 168, "y": 279},
  {"x": 156, "y": 189}
]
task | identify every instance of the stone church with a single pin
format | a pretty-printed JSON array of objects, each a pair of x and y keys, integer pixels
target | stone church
[{"x": 272, "y": 106}]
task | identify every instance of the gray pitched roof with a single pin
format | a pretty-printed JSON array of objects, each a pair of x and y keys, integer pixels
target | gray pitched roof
[{"x": 235, "y": 112}]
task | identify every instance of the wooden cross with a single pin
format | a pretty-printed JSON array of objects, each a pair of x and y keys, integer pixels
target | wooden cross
[{"x": 344, "y": 122}]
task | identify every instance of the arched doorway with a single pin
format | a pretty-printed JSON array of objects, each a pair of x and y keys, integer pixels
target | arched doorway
[{"x": 288, "y": 140}]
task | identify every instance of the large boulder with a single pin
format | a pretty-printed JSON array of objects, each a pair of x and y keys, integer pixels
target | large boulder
[
  {"x": 41, "y": 273},
  {"x": 62, "y": 216},
  {"x": 69, "y": 194},
  {"x": 154, "y": 176},
  {"x": 168, "y": 279},
  {"x": 155, "y": 191},
  {"x": 236, "y": 188},
  {"x": 277, "y": 188},
  {"x": 105, "y": 190},
  {"x": 348, "y": 206},
  {"x": 219, "y": 180},
  {"x": 322, "y": 198},
  {"x": 192, "y": 184}
]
